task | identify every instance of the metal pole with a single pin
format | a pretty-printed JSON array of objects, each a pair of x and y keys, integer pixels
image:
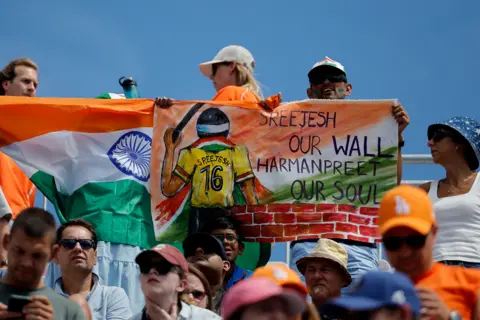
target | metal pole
[
  {"x": 417, "y": 159},
  {"x": 287, "y": 252},
  {"x": 45, "y": 203},
  {"x": 415, "y": 182}
]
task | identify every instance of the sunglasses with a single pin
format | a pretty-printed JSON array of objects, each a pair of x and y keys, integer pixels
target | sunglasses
[
  {"x": 85, "y": 244},
  {"x": 162, "y": 268},
  {"x": 216, "y": 65},
  {"x": 197, "y": 294},
  {"x": 332, "y": 78},
  {"x": 413, "y": 242},
  {"x": 442, "y": 134},
  {"x": 230, "y": 238}
]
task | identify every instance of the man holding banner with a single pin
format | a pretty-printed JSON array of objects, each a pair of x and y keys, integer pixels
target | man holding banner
[
  {"x": 18, "y": 78},
  {"x": 328, "y": 80}
]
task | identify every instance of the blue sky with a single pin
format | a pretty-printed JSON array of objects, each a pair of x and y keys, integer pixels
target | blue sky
[{"x": 425, "y": 53}]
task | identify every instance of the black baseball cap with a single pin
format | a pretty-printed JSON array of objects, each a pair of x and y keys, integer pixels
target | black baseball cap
[{"x": 207, "y": 242}]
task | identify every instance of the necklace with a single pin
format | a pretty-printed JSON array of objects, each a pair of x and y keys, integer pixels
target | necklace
[{"x": 452, "y": 188}]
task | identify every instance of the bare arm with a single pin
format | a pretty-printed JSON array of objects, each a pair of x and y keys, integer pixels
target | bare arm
[
  {"x": 425, "y": 186},
  {"x": 402, "y": 118},
  {"x": 248, "y": 189},
  {"x": 399, "y": 162},
  {"x": 171, "y": 183}
]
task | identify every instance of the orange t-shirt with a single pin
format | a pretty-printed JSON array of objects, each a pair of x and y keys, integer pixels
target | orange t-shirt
[
  {"x": 457, "y": 286},
  {"x": 18, "y": 189},
  {"x": 235, "y": 93}
]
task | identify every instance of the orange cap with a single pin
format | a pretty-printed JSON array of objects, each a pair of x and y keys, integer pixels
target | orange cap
[
  {"x": 406, "y": 206},
  {"x": 282, "y": 275}
]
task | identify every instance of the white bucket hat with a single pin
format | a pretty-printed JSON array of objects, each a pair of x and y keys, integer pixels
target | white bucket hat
[{"x": 228, "y": 54}]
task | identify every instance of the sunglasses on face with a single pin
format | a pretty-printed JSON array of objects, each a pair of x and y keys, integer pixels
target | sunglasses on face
[
  {"x": 230, "y": 238},
  {"x": 413, "y": 242},
  {"x": 162, "y": 268},
  {"x": 216, "y": 65},
  {"x": 197, "y": 294},
  {"x": 332, "y": 78},
  {"x": 440, "y": 135},
  {"x": 85, "y": 244}
]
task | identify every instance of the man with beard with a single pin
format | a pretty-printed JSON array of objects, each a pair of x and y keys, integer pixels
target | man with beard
[
  {"x": 208, "y": 254},
  {"x": 29, "y": 251},
  {"x": 328, "y": 80},
  {"x": 325, "y": 271},
  {"x": 76, "y": 254},
  {"x": 163, "y": 272}
]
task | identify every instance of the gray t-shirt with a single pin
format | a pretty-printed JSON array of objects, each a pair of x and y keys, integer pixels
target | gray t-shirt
[{"x": 63, "y": 309}]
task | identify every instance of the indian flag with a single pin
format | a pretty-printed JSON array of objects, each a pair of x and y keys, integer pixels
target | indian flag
[
  {"x": 111, "y": 96},
  {"x": 90, "y": 157}
]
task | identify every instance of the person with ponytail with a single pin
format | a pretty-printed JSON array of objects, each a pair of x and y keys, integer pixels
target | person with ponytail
[{"x": 231, "y": 71}]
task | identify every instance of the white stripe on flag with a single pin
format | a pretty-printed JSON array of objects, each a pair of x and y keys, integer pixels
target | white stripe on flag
[{"x": 73, "y": 158}]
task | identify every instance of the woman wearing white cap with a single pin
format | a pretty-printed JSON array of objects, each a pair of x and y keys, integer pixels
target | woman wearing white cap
[{"x": 231, "y": 72}]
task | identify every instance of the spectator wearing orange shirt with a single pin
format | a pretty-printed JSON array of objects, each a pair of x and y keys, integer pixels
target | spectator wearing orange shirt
[
  {"x": 408, "y": 227},
  {"x": 18, "y": 78},
  {"x": 231, "y": 72}
]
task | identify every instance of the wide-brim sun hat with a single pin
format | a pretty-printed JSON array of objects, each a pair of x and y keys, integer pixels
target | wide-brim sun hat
[
  {"x": 329, "y": 250},
  {"x": 467, "y": 127}
]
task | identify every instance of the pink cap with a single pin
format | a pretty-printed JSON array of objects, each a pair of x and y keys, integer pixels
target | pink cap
[
  {"x": 253, "y": 290},
  {"x": 168, "y": 252}
]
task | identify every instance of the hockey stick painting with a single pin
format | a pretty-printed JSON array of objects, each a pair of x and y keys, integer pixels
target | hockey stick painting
[{"x": 178, "y": 129}]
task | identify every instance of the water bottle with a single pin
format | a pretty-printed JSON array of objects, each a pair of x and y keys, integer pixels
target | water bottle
[{"x": 129, "y": 87}]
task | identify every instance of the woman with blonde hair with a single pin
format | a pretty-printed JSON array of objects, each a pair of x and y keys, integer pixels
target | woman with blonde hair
[{"x": 231, "y": 71}]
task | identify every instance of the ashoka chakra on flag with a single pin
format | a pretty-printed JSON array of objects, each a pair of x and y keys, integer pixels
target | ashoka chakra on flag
[{"x": 131, "y": 154}]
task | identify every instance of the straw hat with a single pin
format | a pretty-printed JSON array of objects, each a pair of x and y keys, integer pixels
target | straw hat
[{"x": 330, "y": 250}]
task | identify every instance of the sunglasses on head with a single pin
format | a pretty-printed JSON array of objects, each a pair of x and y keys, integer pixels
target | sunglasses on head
[
  {"x": 162, "y": 268},
  {"x": 413, "y": 242},
  {"x": 197, "y": 294},
  {"x": 84, "y": 243}
]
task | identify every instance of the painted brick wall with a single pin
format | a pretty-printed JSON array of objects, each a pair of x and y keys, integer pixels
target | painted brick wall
[{"x": 289, "y": 222}]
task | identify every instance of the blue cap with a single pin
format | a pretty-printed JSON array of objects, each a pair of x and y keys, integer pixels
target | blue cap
[
  {"x": 466, "y": 127},
  {"x": 379, "y": 289}
]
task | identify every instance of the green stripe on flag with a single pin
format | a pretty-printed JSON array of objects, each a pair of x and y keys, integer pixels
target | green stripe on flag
[{"x": 119, "y": 211}]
